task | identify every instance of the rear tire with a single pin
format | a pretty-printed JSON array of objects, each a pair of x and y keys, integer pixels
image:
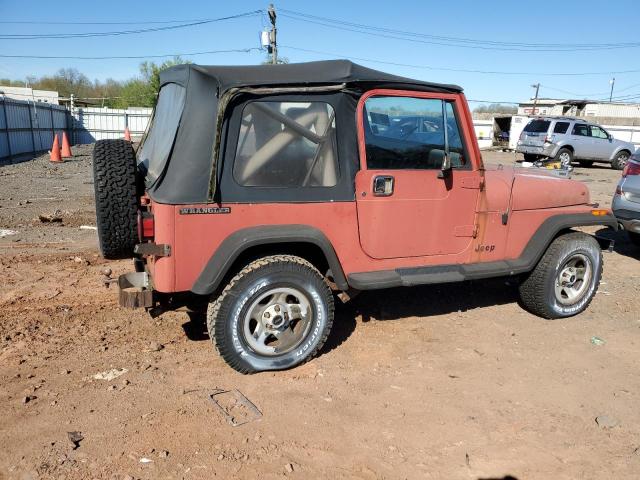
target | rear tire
[
  {"x": 564, "y": 156},
  {"x": 116, "y": 185},
  {"x": 620, "y": 160},
  {"x": 276, "y": 313},
  {"x": 566, "y": 278}
]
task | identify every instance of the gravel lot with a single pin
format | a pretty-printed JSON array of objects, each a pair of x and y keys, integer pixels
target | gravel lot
[{"x": 442, "y": 382}]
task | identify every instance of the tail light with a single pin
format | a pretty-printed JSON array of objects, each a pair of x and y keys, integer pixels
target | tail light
[
  {"x": 632, "y": 167},
  {"x": 146, "y": 226}
]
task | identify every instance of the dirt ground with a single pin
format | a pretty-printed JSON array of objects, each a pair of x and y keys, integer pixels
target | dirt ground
[{"x": 442, "y": 382}]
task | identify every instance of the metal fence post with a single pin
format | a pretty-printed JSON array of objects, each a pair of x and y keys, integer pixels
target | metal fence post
[
  {"x": 6, "y": 126},
  {"x": 53, "y": 129},
  {"x": 33, "y": 134}
]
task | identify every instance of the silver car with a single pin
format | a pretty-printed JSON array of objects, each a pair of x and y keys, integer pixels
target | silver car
[
  {"x": 626, "y": 201},
  {"x": 566, "y": 139}
]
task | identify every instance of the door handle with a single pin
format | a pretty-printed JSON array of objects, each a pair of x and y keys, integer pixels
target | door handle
[{"x": 382, "y": 185}]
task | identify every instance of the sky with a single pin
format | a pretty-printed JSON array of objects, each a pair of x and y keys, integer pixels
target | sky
[{"x": 584, "y": 23}]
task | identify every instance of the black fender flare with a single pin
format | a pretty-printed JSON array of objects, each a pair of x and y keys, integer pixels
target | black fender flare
[{"x": 238, "y": 242}]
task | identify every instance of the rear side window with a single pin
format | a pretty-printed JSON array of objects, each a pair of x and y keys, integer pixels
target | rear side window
[
  {"x": 157, "y": 144},
  {"x": 580, "y": 129},
  {"x": 287, "y": 144},
  {"x": 537, "y": 126},
  {"x": 561, "y": 127},
  {"x": 409, "y": 133}
]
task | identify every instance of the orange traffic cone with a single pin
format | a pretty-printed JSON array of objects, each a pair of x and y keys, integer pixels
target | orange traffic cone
[
  {"x": 66, "y": 148},
  {"x": 55, "y": 151},
  {"x": 127, "y": 134}
]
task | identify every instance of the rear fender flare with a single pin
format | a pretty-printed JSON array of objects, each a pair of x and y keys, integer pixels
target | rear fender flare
[{"x": 240, "y": 241}]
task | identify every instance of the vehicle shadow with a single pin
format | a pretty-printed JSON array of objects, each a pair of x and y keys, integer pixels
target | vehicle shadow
[
  {"x": 622, "y": 245},
  {"x": 422, "y": 301},
  {"x": 506, "y": 477},
  {"x": 196, "y": 328}
]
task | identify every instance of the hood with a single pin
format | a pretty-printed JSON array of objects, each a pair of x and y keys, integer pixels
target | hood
[
  {"x": 530, "y": 189},
  {"x": 536, "y": 189}
]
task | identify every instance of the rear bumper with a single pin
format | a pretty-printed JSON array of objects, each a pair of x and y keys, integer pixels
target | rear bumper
[
  {"x": 627, "y": 213},
  {"x": 548, "y": 150},
  {"x": 135, "y": 291}
]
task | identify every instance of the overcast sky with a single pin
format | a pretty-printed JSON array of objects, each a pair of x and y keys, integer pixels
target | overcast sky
[{"x": 471, "y": 24}]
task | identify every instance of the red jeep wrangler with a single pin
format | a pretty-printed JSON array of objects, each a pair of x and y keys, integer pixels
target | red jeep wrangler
[{"x": 263, "y": 189}]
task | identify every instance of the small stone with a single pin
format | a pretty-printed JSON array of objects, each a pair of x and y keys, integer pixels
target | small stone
[
  {"x": 65, "y": 372},
  {"x": 125, "y": 382},
  {"x": 220, "y": 457},
  {"x": 28, "y": 398},
  {"x": 111, "y": 387},
  {"x": 154, "y": 347},
  {"x": 163, "y": 454},
  {"x": 289, "y": 467},
  {"x": 605, "y": 421}
]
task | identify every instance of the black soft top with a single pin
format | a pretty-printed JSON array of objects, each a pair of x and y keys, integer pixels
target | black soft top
[
  {"x": 181, "y": 152},
  {"x": 327, "y": 72}
]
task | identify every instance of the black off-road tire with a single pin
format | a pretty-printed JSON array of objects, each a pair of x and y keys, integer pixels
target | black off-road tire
[
  {"x": 537, "y": 291},
  {"x": 620, "y": 160},
  {"x": 564, "y": 152},
  {"x": 117, "y": 187},
  {"x": 634, "y": 237},
  {"x": 225, "y": 313}
]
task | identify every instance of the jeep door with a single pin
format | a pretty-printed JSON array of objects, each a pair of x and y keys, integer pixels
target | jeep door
[{"x": 407, "y": 206}]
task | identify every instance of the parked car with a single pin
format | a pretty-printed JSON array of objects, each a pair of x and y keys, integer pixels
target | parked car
[
  {"x": 260, "y": 191},
  {"x": 626, "y": 201},
  {"x": 566, "y": 139}
]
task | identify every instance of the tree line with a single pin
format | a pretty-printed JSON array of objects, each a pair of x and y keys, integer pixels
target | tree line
[{"x": 139, "y": 91}]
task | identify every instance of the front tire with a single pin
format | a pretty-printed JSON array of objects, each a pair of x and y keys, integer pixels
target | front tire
[
  {"x": 566, "y": 278},
  {"x": 276, "y": 313},
  {"x": 620, "y": 161}
]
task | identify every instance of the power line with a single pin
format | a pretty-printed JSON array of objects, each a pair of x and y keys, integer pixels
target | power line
[
  {"x": 460, "y": 70},
  {"x": 450, "y": 41},
  {"x": 134, "y": 57},
  {"x": 122, "y": 32}
]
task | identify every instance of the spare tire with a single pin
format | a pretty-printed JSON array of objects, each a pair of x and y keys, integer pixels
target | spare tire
[{"x": 117, "y": 185}]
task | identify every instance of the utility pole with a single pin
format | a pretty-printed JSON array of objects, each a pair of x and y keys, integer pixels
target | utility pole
[
  {"x": 535, "y": 100},
  {"x": 612, "y": 82},
  {"x": 272, "y": 35}
]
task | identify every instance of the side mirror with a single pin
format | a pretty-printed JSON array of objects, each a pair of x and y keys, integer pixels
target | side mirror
[{"x": 445, "y": 171}]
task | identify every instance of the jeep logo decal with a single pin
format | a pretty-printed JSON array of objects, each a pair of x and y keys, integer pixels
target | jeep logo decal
[
  {"x": 485, "y": 248},
  {"x": 204, "y": 210}
]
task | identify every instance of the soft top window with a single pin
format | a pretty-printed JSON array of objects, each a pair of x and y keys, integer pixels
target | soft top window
[
  {"x": 537, "y": 126},
  {"x": 157, "y": 144},
  {"x": 286, "y": 144}
]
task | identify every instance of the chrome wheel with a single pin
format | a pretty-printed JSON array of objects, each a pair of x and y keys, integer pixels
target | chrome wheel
[
  {"x": 565, "y": 159},
  {"x": 277, "y": 321},
  {"x": 573, "y": 279}
]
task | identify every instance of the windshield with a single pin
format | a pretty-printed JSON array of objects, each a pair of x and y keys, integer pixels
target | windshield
[
  {"x": 537, "y": 126},
  {"x": 156, "y": 147}
]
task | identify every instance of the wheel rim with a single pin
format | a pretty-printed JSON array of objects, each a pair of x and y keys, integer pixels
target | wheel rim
[
  {"x": 622, "y": 159},
  {"x": 565, "y": 158},
  {"x": 277, "y": 321},
  {"x": 573, "y": 279}
]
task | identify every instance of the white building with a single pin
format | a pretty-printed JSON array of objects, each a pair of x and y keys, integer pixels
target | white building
[
  {"x": 579, "y": 108},
  {"x": 29, "y": 94}
]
